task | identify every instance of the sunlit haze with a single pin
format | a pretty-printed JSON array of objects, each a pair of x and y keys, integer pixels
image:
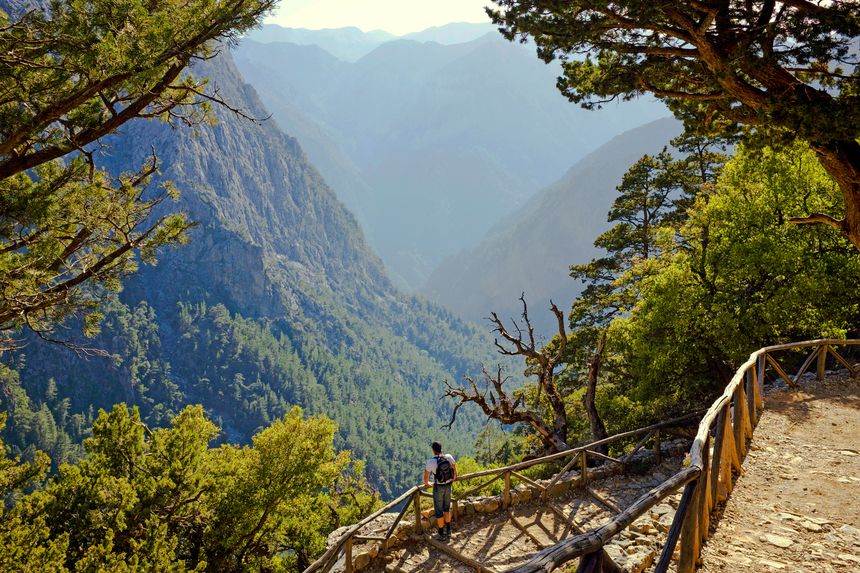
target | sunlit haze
[{"x": 395, "y": 16}]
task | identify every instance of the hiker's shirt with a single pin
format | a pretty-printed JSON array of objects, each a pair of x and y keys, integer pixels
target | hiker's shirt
[{"x": 433, "y": 462}]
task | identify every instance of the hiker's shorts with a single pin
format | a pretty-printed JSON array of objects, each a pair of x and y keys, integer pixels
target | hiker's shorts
[{"x": 441, "y": 499}]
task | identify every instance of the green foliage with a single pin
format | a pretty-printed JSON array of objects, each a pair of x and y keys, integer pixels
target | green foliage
[
  {"x": 726, "y": 273},
  {"x": 44, "y": 426},
  {"x": 25, "y": 546},
  {"x": 739, "y": 277},
  {"x": 161, "y": 500},
  {"x": 714, "y": 64},
  {"x": 72, "y": 74},
  {"x": 467, "y": 465},
  {"x": 654, "y": 193},
  {"x": 247, "y": 373},
  {"x": 69, "y": 236},
  {"x": 496, "y": 446}
]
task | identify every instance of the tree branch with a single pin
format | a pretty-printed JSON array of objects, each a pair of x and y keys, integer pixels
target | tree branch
[{"x": 819, "y": 218}]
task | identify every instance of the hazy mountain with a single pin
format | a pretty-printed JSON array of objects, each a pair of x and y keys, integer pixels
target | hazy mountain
[
  {"x": 348, "y": 44},
  {"x": 454, "y": 33},
  {"x": 277, "y": 301},
  {"x": 530, "y": 251},
  {"x": 431, "y": 144}
]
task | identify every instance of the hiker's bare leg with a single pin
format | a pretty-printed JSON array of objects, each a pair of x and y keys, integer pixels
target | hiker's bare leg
[
  {"x": 447, "y": 517},
  {"x": 440, "y": 522}
]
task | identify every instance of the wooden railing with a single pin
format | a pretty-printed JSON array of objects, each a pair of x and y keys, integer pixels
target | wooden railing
[
  {"x": 717, "y": 451},
  {"x": 410, "y": 499}
]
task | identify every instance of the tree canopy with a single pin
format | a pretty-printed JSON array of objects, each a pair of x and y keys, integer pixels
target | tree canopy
[
  {"x": 163, "y": 500},
  {"x": 70, "y": 75},
  {"x": 784, "y": 68},
  {"x": 725, "y": 273}
]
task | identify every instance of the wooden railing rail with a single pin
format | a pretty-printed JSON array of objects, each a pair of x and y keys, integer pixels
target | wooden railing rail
[
  {"x": 343, "y": 545},
  {"x": 717, "y": 451}
]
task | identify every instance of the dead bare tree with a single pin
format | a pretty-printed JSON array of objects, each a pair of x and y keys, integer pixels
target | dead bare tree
[{"x": 498, "y": 403}]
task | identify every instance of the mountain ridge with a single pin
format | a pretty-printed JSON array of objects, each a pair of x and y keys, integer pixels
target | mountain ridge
[
  {"x": 420, "y": 140},
  {"x": 517, "y": 256}
]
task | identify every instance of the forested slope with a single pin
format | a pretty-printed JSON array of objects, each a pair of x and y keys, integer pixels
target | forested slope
[{"x": 277, "y": 301}]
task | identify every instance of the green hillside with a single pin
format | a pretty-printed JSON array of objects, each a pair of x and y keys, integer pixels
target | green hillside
[{"x": 277, "y": 301}]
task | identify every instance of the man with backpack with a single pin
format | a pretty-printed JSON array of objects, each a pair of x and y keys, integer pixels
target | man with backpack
[{"x": 444, "y": 471}]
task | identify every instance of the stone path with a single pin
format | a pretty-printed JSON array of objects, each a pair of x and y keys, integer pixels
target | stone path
[{"x": 796, "y": 507}]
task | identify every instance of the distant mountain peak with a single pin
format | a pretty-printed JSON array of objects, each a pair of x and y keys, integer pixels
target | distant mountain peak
[{"x": 351, "y": 43}]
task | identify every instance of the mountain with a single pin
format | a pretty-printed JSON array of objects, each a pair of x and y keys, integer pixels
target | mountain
[
  {"x": 454, "y": 33},
  {"x": 430, "y": 144},
  {"x": 276, "y": 301},
  {"x": 531, "y": 250},
  {"x": 348, "y": 44}
]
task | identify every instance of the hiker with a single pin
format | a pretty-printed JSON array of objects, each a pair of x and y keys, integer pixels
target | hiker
[{"x": 444, "y": 471}]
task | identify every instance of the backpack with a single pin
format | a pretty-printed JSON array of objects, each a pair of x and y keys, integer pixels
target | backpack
[{"x": 444, "y": 472}]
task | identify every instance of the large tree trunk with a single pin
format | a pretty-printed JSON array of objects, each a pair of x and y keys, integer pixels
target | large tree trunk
[
  {"x": 841, "y": 159},
  {"x": 598, "y": 429}
]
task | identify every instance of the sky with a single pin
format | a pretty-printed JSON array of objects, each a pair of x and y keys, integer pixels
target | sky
[{"x": 396, "y": 16}]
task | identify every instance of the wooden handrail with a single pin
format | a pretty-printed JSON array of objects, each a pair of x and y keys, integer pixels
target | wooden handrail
[
  {"x": 335, "y": 548},
  {"x": 731, "y": 409},
  {"x": 734, "y": 411},
  {"x": 590, "y": 541},
  {"x": 713, "y": 411},
  {"x": 578, "y": 449},
  {"x": 331, "y": 552}
]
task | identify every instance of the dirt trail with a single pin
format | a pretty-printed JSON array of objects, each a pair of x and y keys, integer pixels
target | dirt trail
[{"x": 796, "y": 508}]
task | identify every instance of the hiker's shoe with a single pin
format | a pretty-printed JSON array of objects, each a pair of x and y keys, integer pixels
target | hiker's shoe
[{"x": 440, "y": 535}]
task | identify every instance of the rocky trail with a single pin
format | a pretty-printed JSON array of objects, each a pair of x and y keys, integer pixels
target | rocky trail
[{"x": 796, "y": 507}]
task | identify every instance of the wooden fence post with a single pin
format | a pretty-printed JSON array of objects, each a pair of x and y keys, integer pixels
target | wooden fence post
[
  {"x": 506, "y": 497},
  {"x": 597, "y": 562},
  {"x": 347, "y": 555},
  {"x": 657, "y": 452},
  {"x": 717, "y": 460},
  {"x": 416, "y": 502},
  {"x": 675, "y": 529},
  {"x": 751, "y": 405},
  {"x": 822, "y": 361},
  {"x": 583, "y": 465},
  {"x": 690, "y": 540},
  {"x": 739, "y": 417},
  {"x": 705, "y": 499}
]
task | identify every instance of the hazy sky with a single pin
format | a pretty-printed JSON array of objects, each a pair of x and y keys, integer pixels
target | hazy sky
[{"x": 395, "y": 16}]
